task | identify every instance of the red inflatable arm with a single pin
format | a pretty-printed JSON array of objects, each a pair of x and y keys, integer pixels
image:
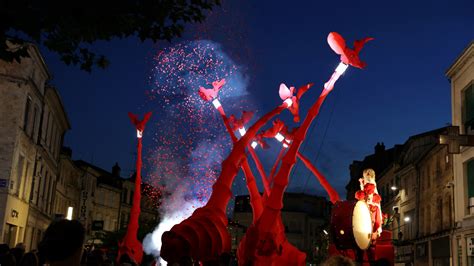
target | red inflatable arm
[{"x": 130, "y": 244}]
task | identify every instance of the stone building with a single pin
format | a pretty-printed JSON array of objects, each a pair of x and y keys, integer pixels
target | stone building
[
  {"x": 379, "y": 161},
  {"x": 461, "y": 75},
  {"x": 54, "y": 123},
  {"x": 39, "y": 181},
  {"x": 68, "y": 187},
  {"x": 415, "y": 191},
  {"x": 103, "y": 191},
  {"x": 148, "y": 207},
  {"x": 32, "y": 126},
  {"x": 305, "y": 218}
]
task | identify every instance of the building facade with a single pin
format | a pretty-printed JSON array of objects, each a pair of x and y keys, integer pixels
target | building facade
[
  {"x": 305, "y": 218},
  {"x": 54, "y": 124},
  {"x": 416, "y": 190},
  {"x": 461, "y": 75},
  {"x": 32, "y": 125},
  {"x": 39, "y": 180}
]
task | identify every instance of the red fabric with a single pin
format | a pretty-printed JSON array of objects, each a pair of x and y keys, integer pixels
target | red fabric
[
  {"x": 360, "y": 195},
  {"x": 348, "y": 56},
  {"x": 369, "y": 188},
  {"x": 376, "y": 198}
]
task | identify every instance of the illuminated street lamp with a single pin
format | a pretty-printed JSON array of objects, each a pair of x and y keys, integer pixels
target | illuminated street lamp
[
  {"x": 393, "y": 188},
  {"x": 69, "y": 213},
  {"x": 407, "y": 219}
]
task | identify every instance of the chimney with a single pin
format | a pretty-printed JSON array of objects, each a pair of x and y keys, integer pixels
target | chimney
[
  {"x": 379, "y": 148},
  {"x": 66, "y": 151},
  {"x": 116, "y": 170}
]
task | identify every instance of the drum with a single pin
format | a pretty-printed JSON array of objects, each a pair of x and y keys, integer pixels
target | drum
[{"x": 351, "y": 225}]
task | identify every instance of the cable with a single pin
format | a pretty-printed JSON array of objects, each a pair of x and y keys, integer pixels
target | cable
[{"x": 322, "y": 139}]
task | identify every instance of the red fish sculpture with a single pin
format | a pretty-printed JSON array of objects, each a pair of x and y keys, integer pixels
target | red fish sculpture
[
  {"x": 209, "y": 94},
  {"x": 236, "y": 123},
  {"x": 292, "y": 102},
  {"x": 348, "y": 56}
]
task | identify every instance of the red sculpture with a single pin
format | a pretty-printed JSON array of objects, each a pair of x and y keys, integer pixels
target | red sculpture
[
  {"x": 348, "y": 56},
  {"x": 130, "y": 245},
  {"x": 203, "y": 236},
  {"x": 209, "y": 94},
  {"x": 293, "y": 101}
]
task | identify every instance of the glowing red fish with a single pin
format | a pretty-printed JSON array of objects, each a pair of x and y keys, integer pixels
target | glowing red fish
[
  {"x": 278, "y": 125},
  {"x": 209, "y": 94},
  {"x": 240, "y": 123},
  {"x": 348, "y": 56},
  {"x": 292, "y": 101},
  {"x": 139, "y": 124}
]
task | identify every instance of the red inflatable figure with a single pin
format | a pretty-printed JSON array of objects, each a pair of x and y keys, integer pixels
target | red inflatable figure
[
  {"x": 348, "y": 56},
  {"x": 130, "y": 245}
]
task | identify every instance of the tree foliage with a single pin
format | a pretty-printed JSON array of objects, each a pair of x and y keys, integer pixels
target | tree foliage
[{"x": 69, "y": 27}]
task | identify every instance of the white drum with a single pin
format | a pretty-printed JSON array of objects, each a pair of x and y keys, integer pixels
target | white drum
[{"x": 351, "y": 225}]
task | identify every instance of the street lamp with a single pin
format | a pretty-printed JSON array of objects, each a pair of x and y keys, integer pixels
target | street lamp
[
  {"x": 393, "y": 188},
  {"x": 406, "y": 219}
]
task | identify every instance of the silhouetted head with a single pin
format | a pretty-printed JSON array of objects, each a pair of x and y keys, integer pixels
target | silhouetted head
[
  {"x": 29, "y": 259},
  {"x": 126, "y": 260},
  {"x": 338, "y": 260},
  {"x": 63, "y": 242},
  {"x": 4, "y": 249}
]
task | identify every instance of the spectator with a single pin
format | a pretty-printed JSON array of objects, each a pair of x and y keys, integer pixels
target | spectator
[
  {"x": 62, "y": 243},
  {"x": 96, "y": 257},
  {"x": 6, "y": 258},
  {"x": 29, "y": 259},
  {"x": 18, "y": 251},
  {"x": 338, "y": 260},
  {"x": 125, "y": 260}
]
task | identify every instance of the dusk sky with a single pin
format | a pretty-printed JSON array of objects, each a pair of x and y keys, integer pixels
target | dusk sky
[{"x": 402, "y": 92}]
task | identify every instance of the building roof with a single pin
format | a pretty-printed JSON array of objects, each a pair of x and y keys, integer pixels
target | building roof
[
  {"x": 462, "y": 58},
  {"x": 105, "y": 177}
]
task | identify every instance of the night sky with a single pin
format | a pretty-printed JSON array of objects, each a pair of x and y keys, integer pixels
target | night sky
[{"x": 402, "y": 92}]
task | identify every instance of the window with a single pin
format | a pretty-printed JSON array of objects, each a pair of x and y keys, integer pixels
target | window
[
  {"x": 15, "y": 182},
  {"x": 26, "y": 118},
  {"x": 468, "y": 109},
  {"x": 428, "y": 176},
  {"x": 124, "y": 195},
  {"x": 27, "y": 181},
  {"x": 35, "y": 120},
  {"x": 470, "y": 184}
]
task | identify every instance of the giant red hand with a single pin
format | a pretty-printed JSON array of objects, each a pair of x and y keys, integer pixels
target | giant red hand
[
  {"x": 348, "y": 56},
  {"x": 209, "y": 94},
  {"x": 293, "y": 101}
]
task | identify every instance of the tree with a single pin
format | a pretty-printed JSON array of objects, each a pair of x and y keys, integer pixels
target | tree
[{"x": 70, "y": 27}]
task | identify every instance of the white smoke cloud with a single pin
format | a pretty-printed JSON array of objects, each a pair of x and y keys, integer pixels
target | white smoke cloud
[{"x": 177, "y": 209}]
